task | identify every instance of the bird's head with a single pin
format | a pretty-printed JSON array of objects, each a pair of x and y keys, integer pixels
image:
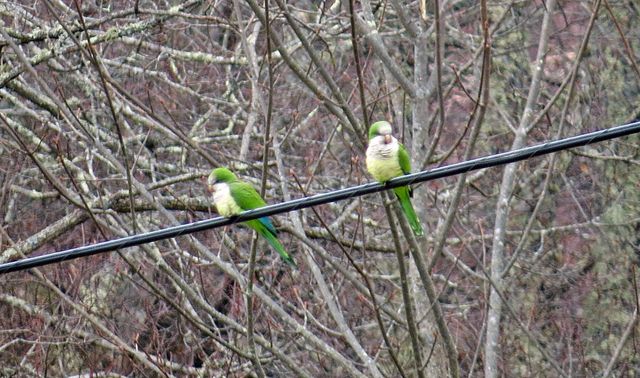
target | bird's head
[
  {"x": 219, "y": 175},
  {"x": 381, "y": 128}
]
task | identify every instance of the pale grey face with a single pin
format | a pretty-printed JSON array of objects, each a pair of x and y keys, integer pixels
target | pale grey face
[
  {"x": 384, "y": 129},
  {"x": 384, "y": 133},
  {"x": 211, "y": 181}
]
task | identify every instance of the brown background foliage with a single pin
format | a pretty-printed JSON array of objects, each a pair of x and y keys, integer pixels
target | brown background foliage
[{"x": 112, "y": 111}]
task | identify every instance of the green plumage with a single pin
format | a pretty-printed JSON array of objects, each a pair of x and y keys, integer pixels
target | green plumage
[
  {"x": 403, "y": 193},
  {"x": 387, "y": 158},
  {"x": 271, "y": 237},
  {"x": 232, "y": 196}
]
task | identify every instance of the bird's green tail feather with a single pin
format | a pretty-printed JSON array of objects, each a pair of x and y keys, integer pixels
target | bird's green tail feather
[
  {"x": 273, "y": 241},
  {"x": 403, "y": 196}
]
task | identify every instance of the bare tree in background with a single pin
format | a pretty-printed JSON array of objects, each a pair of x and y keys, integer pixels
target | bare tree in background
[{"x": 111, "y": 112}]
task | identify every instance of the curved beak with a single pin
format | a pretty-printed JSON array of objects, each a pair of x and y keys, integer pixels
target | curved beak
[{"x": 387, "y": 139}]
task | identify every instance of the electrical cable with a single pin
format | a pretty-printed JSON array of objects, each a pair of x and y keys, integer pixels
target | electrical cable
[{"x": 323, "y": 198}]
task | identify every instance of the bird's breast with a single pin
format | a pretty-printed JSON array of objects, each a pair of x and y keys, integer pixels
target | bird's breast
[
  {"x": 382, "y": 161},
  {"x": 224, "y": 202}
]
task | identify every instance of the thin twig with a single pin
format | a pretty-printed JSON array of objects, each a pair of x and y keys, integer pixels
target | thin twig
[
  {"x": 367, "y": 281},
  {"x": 628, "y": 330},
  {"x": 356, "y": 55},
  {"x": 404, "y": 285}
]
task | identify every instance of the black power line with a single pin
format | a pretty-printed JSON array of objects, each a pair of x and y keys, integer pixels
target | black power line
[{"x": 318, "y": 199}]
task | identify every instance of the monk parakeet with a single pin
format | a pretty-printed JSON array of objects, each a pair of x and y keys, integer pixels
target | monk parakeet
[
  {"x": 232, "y": 196},
  {"x": 387, "y": 158}
]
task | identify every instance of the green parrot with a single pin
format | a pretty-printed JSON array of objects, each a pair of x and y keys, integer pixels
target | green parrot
[
  {"x": 232, "y": 196},
  {"x": 387, "y": 158}
]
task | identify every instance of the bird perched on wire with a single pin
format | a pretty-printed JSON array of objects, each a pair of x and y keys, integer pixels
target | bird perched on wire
[
  {"x": 387, "y": 158},
  {"x": 232, "y": 196}
]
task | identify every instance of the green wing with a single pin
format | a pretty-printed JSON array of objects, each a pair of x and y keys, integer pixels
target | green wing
[
  {"x": 404, "y": 160},
  {"x": 405, "y": 164},
  {"x": 248, "y": 199},
  {"x": 245, "y": 195}
]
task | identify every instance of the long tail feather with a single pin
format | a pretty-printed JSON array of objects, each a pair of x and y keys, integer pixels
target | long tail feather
[
  {"x": 269, "y": 225},
  {"x": 403, "y": 196},
  {"x": 269, "y": 234}
]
